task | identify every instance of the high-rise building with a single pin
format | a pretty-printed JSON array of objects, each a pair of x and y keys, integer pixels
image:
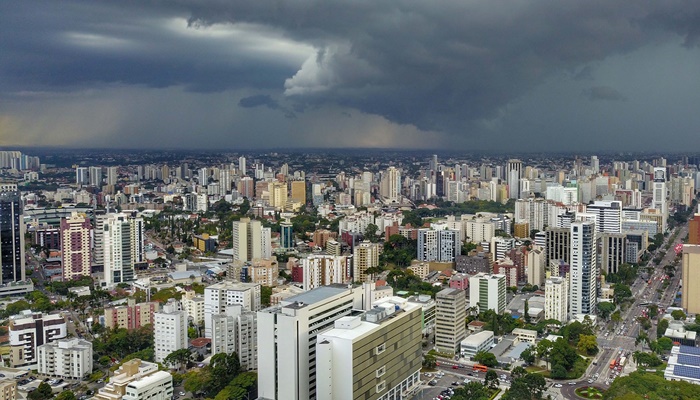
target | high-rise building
[
  {"x": 29, "y": 330},
  {"x": 278, "y": 194},
  {"x": 286, "y": 235},
  {"x": 536, "y": 265},
  {"x": 450, "y": 316},
  {"x": 558, "y": 245},
  {"x": 250, "y": 240},
  {"x": 81, "y": 176},
  {"x": 236, "y": 331},
  {"x": 75, "y": 246},
  {"x": 514, "y": 172},
  {"x": 112, "y": 175},
  {"x": 556, "y": 299},
  {"x": 246, "y": 187},
  {"x": 376, "y": 355},
  {"x": 390, "y": 185},
  {"x": 488, "y": 292},
  {"x": 65, "y": 358},
  {"x": 124, "y": 247},
  {"x": 595, "y": 164},
  {"x": 170, "y": 330},
  {"x": 218, "y": 297},
  {"x": 11, "y": 237},
  {"x": 365, "y": 255},
  {"x": 321, "y": 270},
  {"x": 608, "y": 215},
  {"x": 690, "y": 292},
  {"x": 287, "y": 337},
  {"x": 694, "y": 230},
  {"x": 584, "y": 268},
  {"x": 242, "y": 171},
  {"x": 131, "y": 315},
  {"x": 96, "y": 176},
  {"x": 441, "y": 245},
  {"x": 298, "y": 191},
  {"x": 613, "y": 247},
  {"x": 659, "y": 194}
]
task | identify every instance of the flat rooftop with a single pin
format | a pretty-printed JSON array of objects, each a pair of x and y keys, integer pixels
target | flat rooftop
[{"x": 317, "y": 295}]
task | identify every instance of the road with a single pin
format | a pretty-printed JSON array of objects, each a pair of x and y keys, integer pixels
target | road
[{"x": 621, "y": 337}]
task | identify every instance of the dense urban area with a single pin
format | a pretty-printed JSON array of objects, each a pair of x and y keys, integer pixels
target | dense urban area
[{"x": 385, "y": 275}]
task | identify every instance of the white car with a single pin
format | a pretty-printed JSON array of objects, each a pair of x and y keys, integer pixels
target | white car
[{"x": 558, "y": 385}]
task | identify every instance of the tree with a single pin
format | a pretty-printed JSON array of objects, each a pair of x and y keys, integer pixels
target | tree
[
  {"x": 371, "y": 233},
  {"x": 197, "y": 381},
  {"x": 605, "y": 308},
  {"x": 559, "y": 372},
  {"x": 664, "y": 344},
  {"x": 616, "y": 317},
  {"x": 429, "y": 361},
  {"x": 653, "y": 311},
  {"x": 486, "y": 358},
  {"x": 491, "y": 379},
  {"x": 527, "y": 355},
  {"x": 178, "y": 357},
  {"x": 43, "y": 391},
  {"x": 587, "y": 344},
  {"x": 265, "y": 294},
  {"x": 621, "y": 293},
  {"x": 661, "y": 328},
  {"x": 66, "y": 395},
  {"x": 526, "y": 312},
  {"x": 518, "y": 372},
  {"x": 471, "y": 391},
  {"x": 678, "y": 315}
]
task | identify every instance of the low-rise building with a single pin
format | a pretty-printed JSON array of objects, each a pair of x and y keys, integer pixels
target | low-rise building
[
  {"x": 66, "y": 358},
  {"x": 28, "y": 330},
  {"x": 683, "y": 364},
  {"x": 476, "y": 342},
  {"x": 525, "y": 335},
  {"x": 137, "y": 380}
]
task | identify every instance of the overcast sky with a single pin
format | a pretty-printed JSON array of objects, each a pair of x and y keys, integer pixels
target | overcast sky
[{"x": 452, "y": 74}]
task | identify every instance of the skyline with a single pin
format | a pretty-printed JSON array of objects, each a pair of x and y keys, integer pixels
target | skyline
[{"x": 478, "y": 76}]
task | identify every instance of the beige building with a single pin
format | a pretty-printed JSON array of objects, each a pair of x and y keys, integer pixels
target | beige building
[
  {"x": 66, "y": 358},
  {"x": 194, "y": 306},
  {"x": 8, "y": 389},
  {"x": 298, "y": 191},
  {"x": 376, "y": 355},
  {"x": 556, "y": 299},
  {"x": 130, "y": 316},
  {"x": 450, "y": 318},
  {"x": 420, "y": 268},
  {"x": 278, "y": 194},
  {"x": 366, "y": 256},
  {"x": 136, "y": 380},
  {"x": 690, "y": 292},
  {"x": 75, "y": 246}
]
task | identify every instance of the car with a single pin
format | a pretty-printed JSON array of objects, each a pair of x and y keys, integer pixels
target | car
[
  {"x": 432, "y": 383},
  {"x": 590, "y": 381},
  {"x": 181, "y": 393},
  {"x": 558, "y": 385},
  {"x": 455, "y": 367},
  {"x": 455, "y": 383},
  {"x": 572, "y": 383}
]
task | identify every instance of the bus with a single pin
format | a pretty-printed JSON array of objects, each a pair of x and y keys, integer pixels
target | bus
[
  {"x": 612, "y": 363},
  {"x": 479, "y": 367}
]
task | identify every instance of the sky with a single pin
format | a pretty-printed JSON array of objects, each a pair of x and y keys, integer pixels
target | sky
[{"x": 494, "y": 75}]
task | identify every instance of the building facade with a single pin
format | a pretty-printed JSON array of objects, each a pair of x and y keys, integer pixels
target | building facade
[
  {"x": 169, "y": 330},
  {"x": 556, "y": 299},
  {"x": 219, "y": 296},
  {"x": 488, "y": 292},
  {"x": 29, "y": 330},
  {"x": 76, "y": 253},
  {"x": 65, "y": 358},
  {"x": 583, "y": 268},
  {"x": 450, "y": 316},
  {"x": 12, "y": 228}
]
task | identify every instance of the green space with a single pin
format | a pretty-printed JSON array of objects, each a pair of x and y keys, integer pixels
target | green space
[
  {"x": 650, "y": 386},
  {"x": 589, "y": 392}
]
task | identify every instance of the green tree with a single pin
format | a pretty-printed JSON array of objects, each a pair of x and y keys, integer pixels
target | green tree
[
  {"x": 616, "y": 317},
  {"x": 605, "y": 308},
  {"x": 491, "y": 379},
  {"x": 621, "y": 293},
  {"x": 653, "y": 311},
  {"x": 265, "y": 294},
  {"x": 429, "y": 361},
  {"x": 665, "y": 344},
  {"x": 371, "y": 233},
  {"x": 518, "y": 372},
  {"x": 471, "y": 391},
  {"x": 66, "y": 395},
  {"x": 486, "y": 358},
  {"x": 678, "y": 315},
  {"x": 197, "y": 381},
  {"x": 43, "y": 391},
  {"x": 178, "y": 357},
  {"x": 587, "y": 344},
  {"x": 661, "y": 328}
]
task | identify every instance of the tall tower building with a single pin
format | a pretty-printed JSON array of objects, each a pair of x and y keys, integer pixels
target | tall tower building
[
  {"x": 514, "y": 172},
  {"x": 366, "y": 255},
  {"x": 286, "y": 235},
  {"x": 390, "y": 187},
  {"x": 246, "y": 187},
  {"x": 75, "y": 246},
  {"x": 218, "y": 298},
  {"x": 250, "y": 240},
  {"x": 241, "y": 166},
  {"x": 608, "y": 215},
  {"x": 694, "y": 230},
  {"x": 112, "y": 175},
  {"x": 170, "y": 330},
  {"x": 488, "y": 292},
  {"x": 81, "y": 176},
  {"x": 96, "y": 176},
  {"x": 450, "y": 314},
  {"x": 558, "y": 245},
  {"x": 584, "y": 268},
  {"x": 299, "y": 191},
  {"x": 595, "y": 164},
  {"x": 278, "y": 194},
  {"x": 123, "y": 247},
  {"x": 659, "y": 194},
  {"x": 441, "y": 245},
  {"x": 11, "y": 237},
  {"x": 556, "y": 299}
]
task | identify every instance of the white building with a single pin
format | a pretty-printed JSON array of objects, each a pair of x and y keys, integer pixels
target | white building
[
  {"x": 683, "y": 364},
  {"x": 287, "y": 336},
  {"x": 479, "y": 230},
  {"x": 659, "y": 194},
  {"x": 608, "y": 215},
  {"x": 428, "y": 308},
  {"x": 123, "y": 247},
  {"x": 376, "y": 355},
  {"x": 65, "y": 358},
  {"x": 193, "y": 306},
  {"x": 250, "y": 240},
  {"x": 219, "y": 296},
  {"x": 488, "y": 292},
  {"x": 476, "y": 342},
  {"x": 450, "y": 316},
  {"x": 236, "y": 331},
  {"x": 441, "y": 245},
  {"x": 536, "y": 265},
  {"x": 170, "y": 330},
  {"x": 137, "y": 380},
  {"x": 321, "y": 270},
  {"x": 584, "y": 268},
  {"x": 28, "y": 330},
  {"x": 556, "y": 299}
]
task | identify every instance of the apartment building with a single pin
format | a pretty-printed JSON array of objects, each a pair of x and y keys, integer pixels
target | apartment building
[
  {"x": 137, "y": 380},
  {"x": 130, "y": 316},
  {"x": 28, "y": 330},
  {"x": 169, "y": 330},
  {"x": 65, "y": 358}
]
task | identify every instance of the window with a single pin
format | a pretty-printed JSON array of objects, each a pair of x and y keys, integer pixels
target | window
[
  {"x": 380, "y": 372},
  {"x": 379, "y": 349},
  {"x": 381, "y": 386}
]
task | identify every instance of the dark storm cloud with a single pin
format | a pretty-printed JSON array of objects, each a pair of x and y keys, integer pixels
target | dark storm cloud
[
  {"x": 259, "y": 100},
  {"x": 603, "y": 93},
  {"x": 439, "y": 66}
]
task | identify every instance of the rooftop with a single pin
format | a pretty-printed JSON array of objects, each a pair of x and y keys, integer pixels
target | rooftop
[{"x": 317, "y": 295}]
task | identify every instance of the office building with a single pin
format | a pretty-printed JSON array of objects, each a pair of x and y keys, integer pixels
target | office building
[
  {"x": 428, "y": 309},
  {"x": 131, "y": 315},
  {"x": 450, "y": 317},
  {"x": 584, "y": 269},
  {"x": 236, "y": 331},
  {"x": 475, "y": 343},
  {"x": 218, "y": 297},
  {"x": 124, "y": 247},
  {"x": 28, "y": 330},
  {"x": 75, "y": 246},
  {"x": 558, "y": 245},
  {"x": 137, "y": 380},
  {"x": 322, "y": 270},
  {"x": 250, "y": 240},
  {"x": 169, "y": 330},
  {"x": 298, "y": 191},
  {"x": 556, "y": 299},
  {"x": 514, "y": 172},
  {"x": 287, "y": 336},
  {"x": 65, "y": 358},
  {"x": 440, "y": 245},
  {"x": 613, "y": 247},
  {"x": 488, "y": 292},
  {"x": 690, "y": 293},
  {"x": 375, "y": 355},
  {"x": 286, "y": 235},
  {"x": 608, "y": 216},
  {"x": 659, "y": 195},
  {"x": 11, "y": 237},
  {"x": 366, "y": 255}
]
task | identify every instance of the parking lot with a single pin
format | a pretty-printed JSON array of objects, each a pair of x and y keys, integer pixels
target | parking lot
[{"x": 441, "y": 382}]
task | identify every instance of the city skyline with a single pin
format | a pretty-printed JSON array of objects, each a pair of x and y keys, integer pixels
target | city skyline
[{"x": 482, "y": 76}]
